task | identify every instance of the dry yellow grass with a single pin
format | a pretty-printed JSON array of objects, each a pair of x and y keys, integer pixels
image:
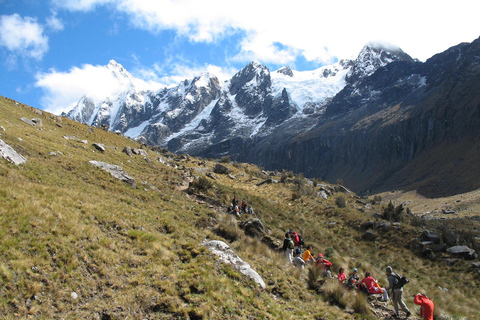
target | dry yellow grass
[{"x": 67, "y": 227}]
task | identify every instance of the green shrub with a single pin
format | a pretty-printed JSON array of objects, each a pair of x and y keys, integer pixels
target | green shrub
[
  {"x": 202, "y": 183},
  {"x": 341, "y": 202},
  {"x": 225, "y": 159},
  {"x": 392, "y": 213}
]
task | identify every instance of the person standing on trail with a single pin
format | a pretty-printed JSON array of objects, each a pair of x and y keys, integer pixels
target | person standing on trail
[
  {"x": 288, "y": 247},
  {"x": 426, "y": 306},
  {"x": 397, "y": 292}
]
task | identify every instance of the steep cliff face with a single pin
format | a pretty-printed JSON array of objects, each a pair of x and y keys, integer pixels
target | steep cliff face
[{"x": 409, "y": 125}]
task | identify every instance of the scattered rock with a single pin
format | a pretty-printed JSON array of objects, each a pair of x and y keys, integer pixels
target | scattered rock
[
  {"x": 428, "y": 253},
  {"x": 70, "y": 138},
  {"x": 322, "y": 194},
  {"x": 226, "y": 255},
  {"x": 28, "y": 121},
  {"x": 128, "y": 151},
  {"x": 74, "y": 295},
  {"x": 448, "y": 211},
  {"x": 221, "y": 169},
  {"x": 269, "y": 180},
  {"x": 9, "y": 154},
  {"x": 140, "y": 152},
  {"x": 115, "y": 171},
  {"x": 462, "y": 252},
  {"x": 232, "y": 177},
  {"x": 38, "y": 122},
  {"x": 475, "y": 265},
  {"x": 430, "y": 236},
  {"x": 99, "y": 147},
  {"x": 253, "y": 228},
  {"x": 369, "y": 236}
]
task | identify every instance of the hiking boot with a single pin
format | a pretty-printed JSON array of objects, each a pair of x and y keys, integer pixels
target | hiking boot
[{"x": 408, "y": 314}]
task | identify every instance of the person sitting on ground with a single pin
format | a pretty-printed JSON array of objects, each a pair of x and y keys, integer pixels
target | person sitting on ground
[
  {"x": 307, "y": 255},
  {"x": 288, "y": 247},
  {"x": 298, "y": 261},
  {"x": 244, "y": 206},
  {"x": 353, "y": 279},
  {"x": 372, "y": 286},
  {"x": 341, "y": 276},
  {"x": 426, "y": 306},
  {"x": 397, "y": 292},
  {"x": 320, "y": 262},
  {"x": 250, "y": 209}
]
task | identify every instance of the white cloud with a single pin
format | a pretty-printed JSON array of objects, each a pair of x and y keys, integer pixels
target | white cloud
[
  {"x": 23, "y": 36},
  {"x": 318, "y": 30},
  {"x": 54, "y": 23}
]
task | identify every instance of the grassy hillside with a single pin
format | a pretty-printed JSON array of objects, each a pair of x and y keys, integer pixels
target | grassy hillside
[{"x": 77, "y": 243}]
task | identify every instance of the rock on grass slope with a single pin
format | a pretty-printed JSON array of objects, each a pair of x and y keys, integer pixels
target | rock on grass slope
[{"x": 76, "y": 242}]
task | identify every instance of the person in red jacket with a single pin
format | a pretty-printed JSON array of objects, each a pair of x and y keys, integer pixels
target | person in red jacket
[
  {"x": 373, "y": 287},
  {"x": 327, "y": 265},
  {"x": 426, "y": 306}
]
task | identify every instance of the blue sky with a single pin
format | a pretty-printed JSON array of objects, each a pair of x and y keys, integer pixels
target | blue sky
[{"x": 54, "y": 51}]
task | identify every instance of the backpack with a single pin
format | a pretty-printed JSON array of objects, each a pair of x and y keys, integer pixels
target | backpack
[
  {"x": 290, "y": 245},
  {"x": 400, "y": 281},
  {"x": 300, "y": 240}
]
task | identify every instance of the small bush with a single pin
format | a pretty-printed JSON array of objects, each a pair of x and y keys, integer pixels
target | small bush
[
  {"x": 392, "y": 213},
  {"x": 225, "y": 159},
  {"x": 341, "y": 202},
  {"x": 228, "y": 229},
  {"x": 335, "y": 294},
  {"x": 360, "y": 304},
  {"x": 202, "y": 183}
]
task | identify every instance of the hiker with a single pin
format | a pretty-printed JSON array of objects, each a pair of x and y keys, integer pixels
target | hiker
[
  {"x": 341, "y": 276},
  {"x": 298, "y": 261},
  {"x": 288, "y": 247},
  {"x": 397, "y": 291},
  {"x": 244, "y": 206},
  {"x": 353, "y": 279},
  {"x": 307, "y": 255},
  {"x": 234, "y": 201},
  {"x": 325, "y": 264},
  {"x": 426, "y": 306},
  {"x": 297, "y": 240},
  {"x": 372, "y": 286},
  {"x": 250, "y": 209}
]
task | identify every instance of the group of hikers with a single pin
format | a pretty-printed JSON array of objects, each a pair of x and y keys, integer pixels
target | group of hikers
[
  {"x": 237, "y": 209},
  {"x": 292, "y": 246}
]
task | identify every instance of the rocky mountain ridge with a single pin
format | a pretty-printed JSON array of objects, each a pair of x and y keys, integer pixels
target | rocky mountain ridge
[{"x": 363, "y": 121}]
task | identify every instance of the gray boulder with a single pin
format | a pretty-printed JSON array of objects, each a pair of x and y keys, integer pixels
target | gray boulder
[
  {"x": 253, "y": 228},
  {"x": 115, "y": 171},
  {"x": 228, "y": 256},
  {"x": 99, "y": 147},
  {"x": 9, "y": 154},
  {"x": 140, "y": 152},
  {"x": 462, "y": 252},
  {"x": 220, "y": 169},
  {"x": 128, "y": 151},
  {"x": 430, "y": 236}
]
